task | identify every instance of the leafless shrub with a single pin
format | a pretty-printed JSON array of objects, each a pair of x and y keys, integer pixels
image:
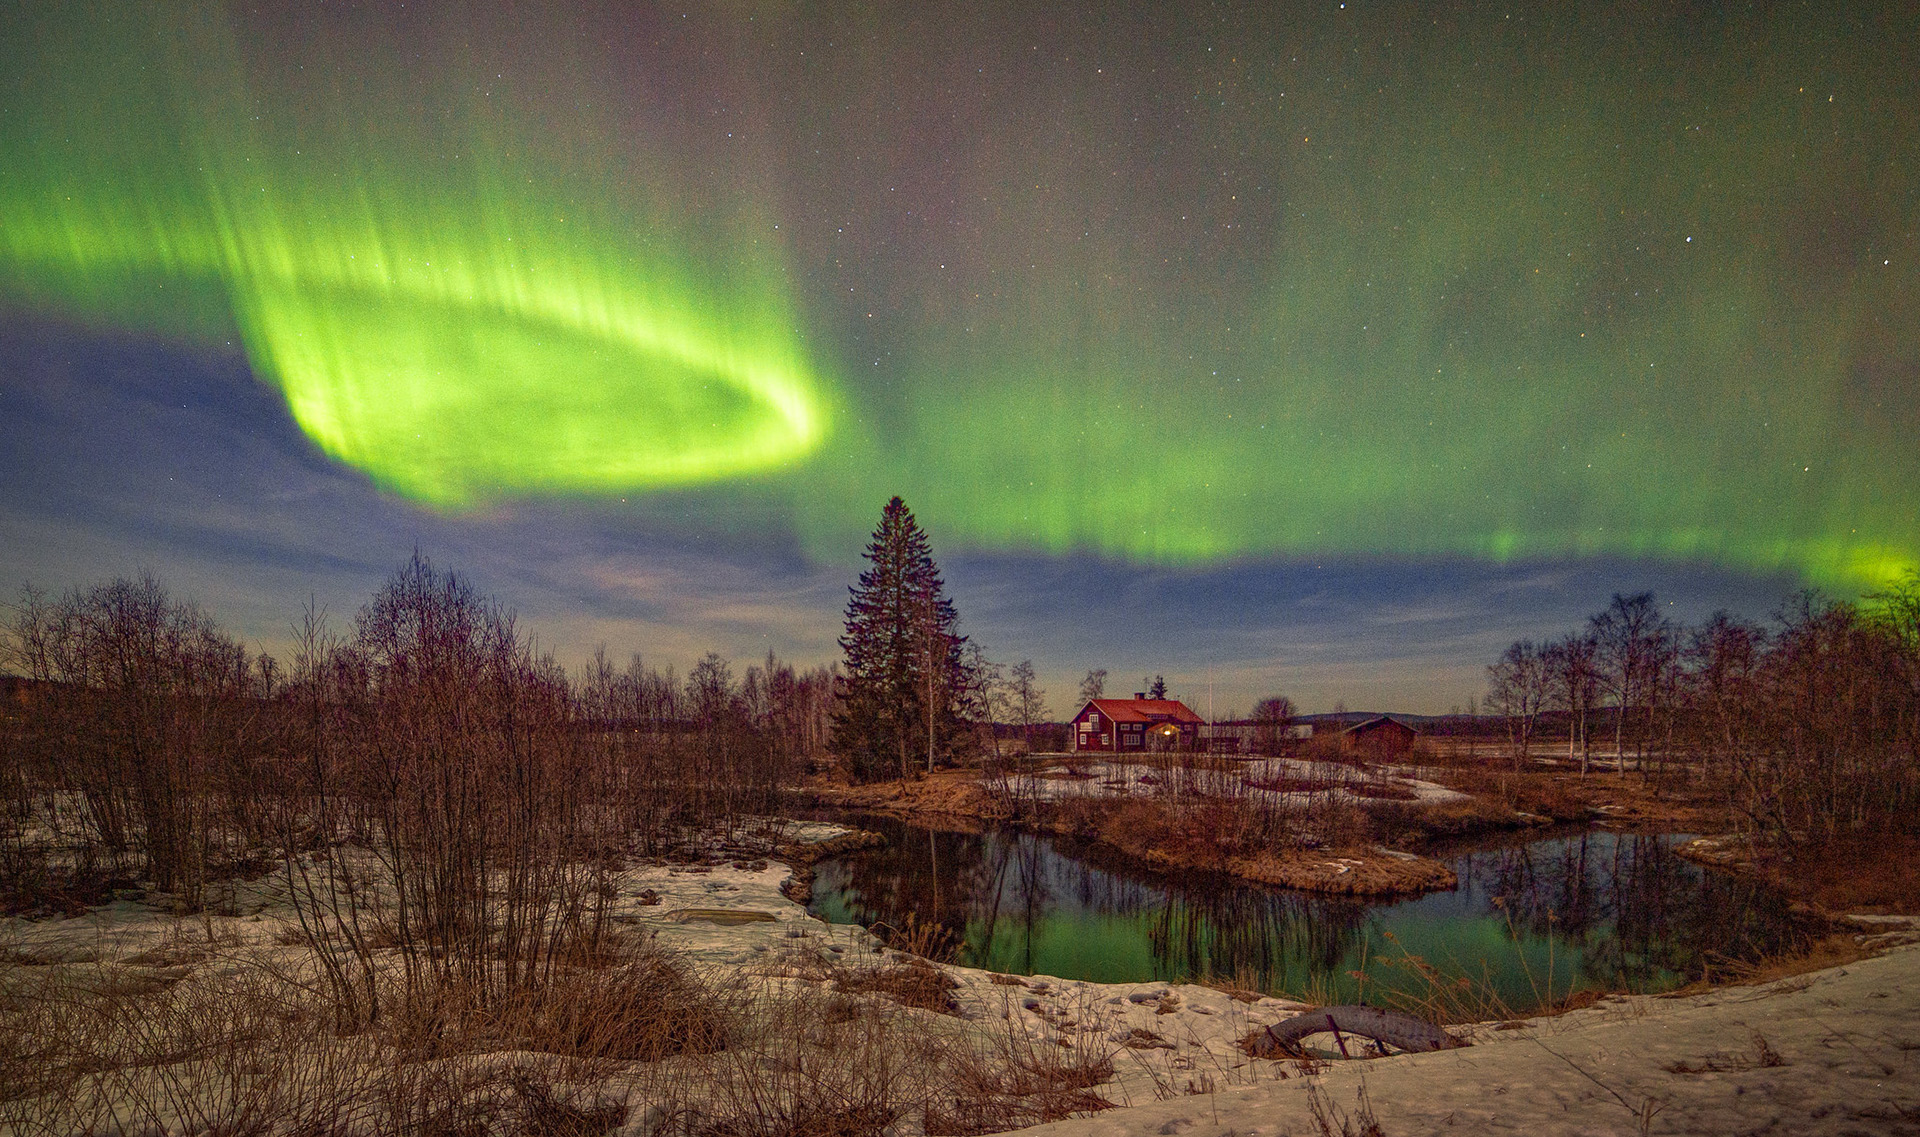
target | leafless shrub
[
  {"x": 805, "y": 1062},
  {"x": 233, "y": 1050},
  {"x": 915, "y": 983},
  {"x": 448, "y": 812},
  {"x": 138, "y": 728},
  {"x": 537, "y": 1111},
  {"x": 1012, "y": 1079},
  {"x": 927, "y": 939},
  {"x": 1809, "y": 729}
]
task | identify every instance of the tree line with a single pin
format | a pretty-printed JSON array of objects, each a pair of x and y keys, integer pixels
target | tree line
[
  {"x": 1809, "y": 724},
  {"x": 149, "y": 744}
]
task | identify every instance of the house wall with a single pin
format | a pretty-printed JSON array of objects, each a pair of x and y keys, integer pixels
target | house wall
[
  {"x": 1387, "y": 740},
  {"x": 1092, "y": 730}
]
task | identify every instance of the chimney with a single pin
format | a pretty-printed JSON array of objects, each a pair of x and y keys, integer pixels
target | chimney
[{"x": 1139, "y": 694}]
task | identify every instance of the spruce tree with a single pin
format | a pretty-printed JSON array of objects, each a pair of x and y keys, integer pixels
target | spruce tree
[{"x": 904, "y": 673}]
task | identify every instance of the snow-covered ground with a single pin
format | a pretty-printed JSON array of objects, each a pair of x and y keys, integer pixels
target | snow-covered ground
[
  {"x": 1834, "y": 1052},
  {"x": 1144, "y": 778}
]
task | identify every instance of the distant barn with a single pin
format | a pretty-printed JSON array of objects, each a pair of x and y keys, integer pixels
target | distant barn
[
  {"x": 1138, "y": 723},
  {"x": 1380, "y": 737}
]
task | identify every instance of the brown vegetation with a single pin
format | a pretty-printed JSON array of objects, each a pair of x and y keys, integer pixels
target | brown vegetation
[
  {"x": 802, "y": 858},
  {"x": 448, "y": 814},
  {"x": 1868, "y": 873},
  {"x": 239, "y": 1047},
  {"x": 1204, "y": 813},
  {"x": 1804, "y": 735}
]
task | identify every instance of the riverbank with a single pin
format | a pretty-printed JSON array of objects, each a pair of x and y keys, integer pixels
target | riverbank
[
  {"x": 1374, "y": 826},
  {"x": 1876, "y": 874},
  {"x": 824, "y": 1014},
  {"x": 1831, "y": 1052},
  {"x": 1143, "y": 828}
]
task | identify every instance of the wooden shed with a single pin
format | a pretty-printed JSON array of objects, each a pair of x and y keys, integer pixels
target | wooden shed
[{"x": 1380, "y": 737}]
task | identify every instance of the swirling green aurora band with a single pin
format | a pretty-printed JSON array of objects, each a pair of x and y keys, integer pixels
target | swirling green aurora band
[
  {"x": 1456, "y": 339},
  {"x": 453, "y": 336}
]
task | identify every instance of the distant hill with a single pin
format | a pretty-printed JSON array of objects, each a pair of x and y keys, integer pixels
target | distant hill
[
  {"x": 1348, "y": 718},
  {"x": 1425, "y": 724}
]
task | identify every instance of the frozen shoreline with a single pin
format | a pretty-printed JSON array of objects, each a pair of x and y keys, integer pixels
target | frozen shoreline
[
  {"x": 1836, "y": 1051},
  {"x": 1847, "y": 1040}
]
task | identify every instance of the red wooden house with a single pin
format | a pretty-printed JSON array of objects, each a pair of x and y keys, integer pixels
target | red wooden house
[{"x": 1138, "y": 723}]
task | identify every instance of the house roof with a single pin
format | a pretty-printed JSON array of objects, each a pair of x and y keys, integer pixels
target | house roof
[
  {"x": 1375, "y": 723},
  {"x": 1144, "y": 710}
]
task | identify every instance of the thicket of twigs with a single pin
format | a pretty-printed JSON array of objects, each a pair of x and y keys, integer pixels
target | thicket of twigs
[
  {"x": 150, "y": 746},
  {"x": 446, "y": 814},
  {"x": 233, "y": 1043},
  {"x": 1204, "y": 810},
  {"x": 1809, "y": 726}
]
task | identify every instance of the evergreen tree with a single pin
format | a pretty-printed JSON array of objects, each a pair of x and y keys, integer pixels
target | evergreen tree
[{"x": 905, "y": 676}]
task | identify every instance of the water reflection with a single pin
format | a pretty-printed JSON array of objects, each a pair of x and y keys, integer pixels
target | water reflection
[{"x": 1593, "y": 910}]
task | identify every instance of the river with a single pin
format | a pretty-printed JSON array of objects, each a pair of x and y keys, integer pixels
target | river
[{"x": 1532, "y": 919}]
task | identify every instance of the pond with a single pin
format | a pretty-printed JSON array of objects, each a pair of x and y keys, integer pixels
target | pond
[{"x": 1531, "y": 919}]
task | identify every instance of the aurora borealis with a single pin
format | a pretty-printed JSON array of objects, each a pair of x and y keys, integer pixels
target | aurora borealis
[
  {"x": 1193, "y": 289},
  {"x": 430, "y": 321}
]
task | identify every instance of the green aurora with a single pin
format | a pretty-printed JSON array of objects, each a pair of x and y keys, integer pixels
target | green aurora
[
  {"x": 438, "y": 324},
  {"x": 1397, "y": 281}
]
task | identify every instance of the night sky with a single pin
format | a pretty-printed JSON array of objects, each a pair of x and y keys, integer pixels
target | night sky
[{"x": 1316, "y": 349}]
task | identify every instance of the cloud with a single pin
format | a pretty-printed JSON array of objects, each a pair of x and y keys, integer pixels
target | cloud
[{"x": 122, "y": 455}]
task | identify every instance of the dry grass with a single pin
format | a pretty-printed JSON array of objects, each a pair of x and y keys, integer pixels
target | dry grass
[
  {"x": 1013, "y": 1081},
  {"x": 812, "y": 1062},
  {"x": 1759, "y": 1054},
  {"x": 235, "y": 1050},
  {"x": 1241, "y": 987},
  {"x": 912, "y": 984},
  {"x": 234, "y": 1045},
  {"x": 1288, "y": 785},
  {"x": 1329, "y": 1120},
  {"x": 646, "y": 1007},
  {"x": 1560, "y": 793},
  {"x": 1347, "y": 872},
  {"x": 1877, "y": 873},
  {"x": 924, "y": 938},
  {"x": 1827, "y": 951},
  {"x": 1379, "y": 789},
  {"x": 238, "y": 1046}
]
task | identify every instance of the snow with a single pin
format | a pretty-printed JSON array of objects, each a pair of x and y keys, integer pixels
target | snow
[
  {"x": 1847, "y": 1039},
  {"x": 1146, "y": 777}
]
